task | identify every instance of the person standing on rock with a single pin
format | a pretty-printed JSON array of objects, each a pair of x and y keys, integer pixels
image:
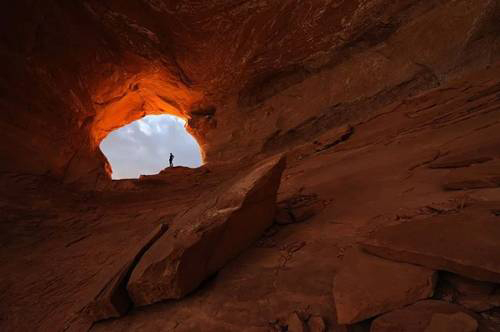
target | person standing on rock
[{"x": 171, "y": 159}]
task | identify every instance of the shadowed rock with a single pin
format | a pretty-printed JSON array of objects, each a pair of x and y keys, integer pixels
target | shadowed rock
[
  {"x": 295, "y": 324},
  {"x": 316, "y": 324},
  {"x": 480, "y": 176},
  {"x": 419, "y": 317},
  {"x": 367, "y": 286},
  {"x": 458, "y": 162},
  {"x": 466, "y": 286},
  {"x": 113, "y": 300},
  {"x": 330, "y": 139},
  {"x": 465, "y": 243},
  {"x": 206, "y": 237},
  {"x": 491, "y": 182},
  {"x": 479, "y": 302},
  {"x": 458, "y": 322},
  {"x": 478, "y": 296},
  {"x": 297, "y": 208}
]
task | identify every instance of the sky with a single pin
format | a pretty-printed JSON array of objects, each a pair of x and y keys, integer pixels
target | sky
[{"x": 143, "y": 146}]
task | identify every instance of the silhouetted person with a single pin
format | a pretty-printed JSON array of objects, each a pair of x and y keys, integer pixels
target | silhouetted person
[{"x": 171, "y": 159}]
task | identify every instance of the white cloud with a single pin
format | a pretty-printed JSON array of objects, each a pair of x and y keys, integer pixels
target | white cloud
[
  {"x": 144, "y": 127},
  {"x": 143, "y": 147},
  {"x": 159, "y": 128}
]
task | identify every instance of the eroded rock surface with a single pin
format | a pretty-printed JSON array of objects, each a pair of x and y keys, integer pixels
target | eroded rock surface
[
  {"x": 295, "y": 324},
  {"x": 316, "y": 324},
  {"x": 113, "y": 299},
  {"x": 367, "y": 286},
  {"x": 458, "y": 322},
  {"x": 445, "y": 243},
  {"x": 419, "y": 316},
  {"x": 387, "y": 111},
  {"x": 207, "y": 236}
]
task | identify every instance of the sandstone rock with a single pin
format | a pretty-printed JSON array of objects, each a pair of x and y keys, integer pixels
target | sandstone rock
[
  {"x": 490, "y": 182},
  {"x": 479, "y": 176},
  {"x": 113, "y": 300},
  {"x": 332, "y": 138},
  {"x": 416, "y": 317},
  {"x": 465, "y": 243},
  {"x": 72, "y": 71},
  {"x": 206, "y": 237},
  {"x": 479, "y": 302},
  {"x": 295, "y": 324},
  {"x": 298, "y": 208},
  {"x": 466, "y": 286},
  {"x": 367, "y": 286},
  {"x": 302, "y": 214},
  {"x": 284, "y": 216},
  {"x": 478, "y": 296},
  {"x": 469, "y": 157},
  {"x": 316, "y": 324},
  {"x": 459, "y": 161},
  {"x": 457, "y": 322},
  {"x": 358, "y": 327}
]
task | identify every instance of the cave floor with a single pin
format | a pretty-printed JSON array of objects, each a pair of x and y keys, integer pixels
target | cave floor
[{"x": 59, "y": 250}]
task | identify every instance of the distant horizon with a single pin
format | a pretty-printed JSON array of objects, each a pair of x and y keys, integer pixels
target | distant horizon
[{"x": 143, "y": 147}]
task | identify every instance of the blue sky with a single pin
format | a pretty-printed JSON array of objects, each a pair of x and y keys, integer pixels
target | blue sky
[{"x": 143, "y": 147}]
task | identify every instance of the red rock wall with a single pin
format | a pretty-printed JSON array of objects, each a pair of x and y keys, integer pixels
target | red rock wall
[{"x": 252, "y": 78}]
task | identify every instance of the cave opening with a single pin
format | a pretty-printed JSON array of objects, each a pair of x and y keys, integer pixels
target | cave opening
[{"x": 143, "y": 147}]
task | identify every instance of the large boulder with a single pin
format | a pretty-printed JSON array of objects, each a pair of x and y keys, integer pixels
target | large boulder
[
  {"x": 367, "y": 286},
  {"x": 207, "y": 236},
  {"x": 465, "y": 243}
]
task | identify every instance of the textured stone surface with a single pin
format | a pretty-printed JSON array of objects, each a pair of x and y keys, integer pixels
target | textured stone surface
[
  {"x": 479, "y": 302},
  {"x": 113, "y": 299},
  {"x": 295, "y": 324},
  {"x": 101, "y": 65},
  {"x": 466, "y": 286},
  {"x": 61, "y": 248},
  {"x": 458, "y": 322},
  {"x": 417, "y": 317},
  {"x": 207, "y": 236},
  {"x": 416, "y": 81},
  {"x": 316, "y": 324},
  {"x": 445, "y": 243},
  {"x": 367, "y": 286}
]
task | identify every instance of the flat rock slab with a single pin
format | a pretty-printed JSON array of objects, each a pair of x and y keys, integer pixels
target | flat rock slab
[
  {"x": 113, "y": 300},
  {"x": 418, "y": 317},
  {"x": 472, "y": 155},
  {"x": 457, "y": 322},
  {"x": 367, "y": 286},
  {"x": 485, "y": 175},
  {"x": 479, "y": 303},
  {"x": 207, "y": 236},
  {"x": 465, "y": 243}
]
